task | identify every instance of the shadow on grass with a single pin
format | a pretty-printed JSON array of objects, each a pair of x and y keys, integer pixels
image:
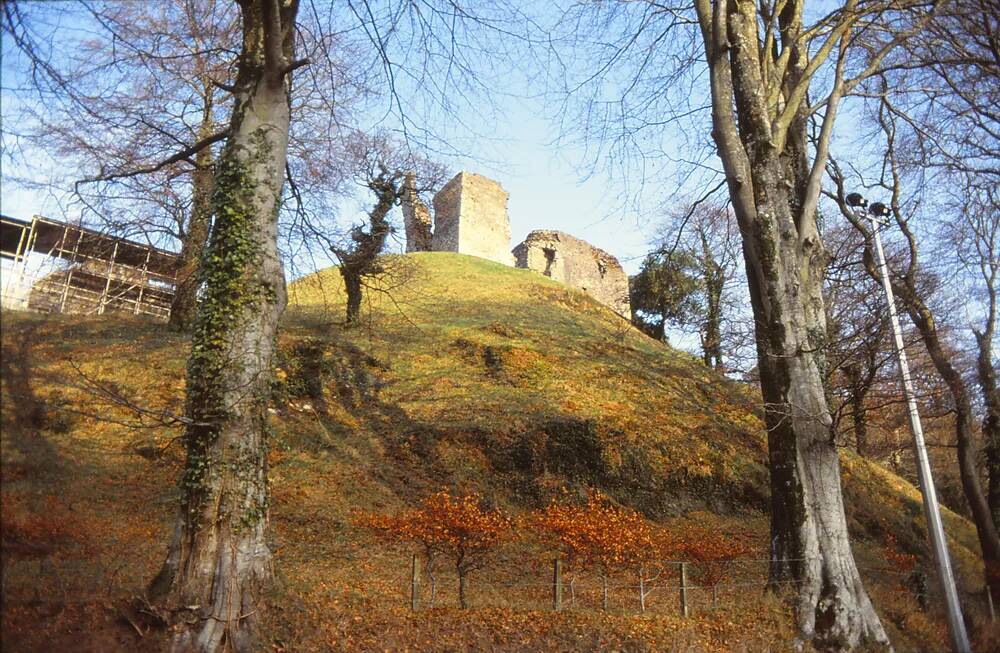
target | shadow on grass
[{"x": 25, "y": 415}]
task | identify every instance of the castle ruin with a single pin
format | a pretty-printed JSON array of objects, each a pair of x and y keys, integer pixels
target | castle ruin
[
  {"x": 577, "y": 264},
  {"x": 416, "y": 218},
  {"x": 470, "y": 217}
]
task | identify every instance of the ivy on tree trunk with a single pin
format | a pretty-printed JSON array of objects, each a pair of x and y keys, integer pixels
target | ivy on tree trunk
[
  {"x": 361, "y": 260},
  {"x": 219, "y": 562}
]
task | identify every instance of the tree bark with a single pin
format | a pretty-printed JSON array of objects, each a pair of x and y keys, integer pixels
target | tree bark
[
  {"x": 966, "y": 450},
  {"x": 809, "y": 539},
  {"x": 352, "y": 284},
  {"x": 463, "y": 587},
  {"x": 219, "y": 562},
  {"x": 183, "y": 308},
  {"x": 785, "y": 263},
  {"x": 991, "y": 422},
  {"x": 714, "y": 280}
]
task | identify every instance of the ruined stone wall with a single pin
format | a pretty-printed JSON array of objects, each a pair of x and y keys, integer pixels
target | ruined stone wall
[
  {"x": 416, "y": 218},
  {"x": 578, "y": 264},
  {"x": 470, "y": 217}
]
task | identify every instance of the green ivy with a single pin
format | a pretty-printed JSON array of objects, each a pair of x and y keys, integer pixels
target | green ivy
[{"x": 227, "y": 275}]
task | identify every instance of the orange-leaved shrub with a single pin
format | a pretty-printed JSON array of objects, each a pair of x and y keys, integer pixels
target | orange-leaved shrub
[
  {"x": 714, "y": 554},
  {"x": 607, "y": 538},
  {"x": 458, "y": 529}
]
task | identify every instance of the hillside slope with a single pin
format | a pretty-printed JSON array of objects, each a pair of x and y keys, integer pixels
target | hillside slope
[{"x": 466, "y": 375}]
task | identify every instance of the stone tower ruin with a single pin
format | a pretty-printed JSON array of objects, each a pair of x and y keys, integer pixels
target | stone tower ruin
[
  {"x": 470, "y": 217},
  {"x": 577, "y": 264},
  {"x": 416, "y": 218}
]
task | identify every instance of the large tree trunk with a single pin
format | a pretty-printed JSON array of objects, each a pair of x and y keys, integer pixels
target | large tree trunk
[
  {"x": 714, "y": 280},
  {"x": 991, "y": 422},
  {"x": 219, "y": 561},
  {"x": 785, "y": 262},
  {"x": 183, "y": 308},
  {"x": 979, "y": 507},
  {"x": 809, "y": 539},
  {"x": 352, "y": 284}
]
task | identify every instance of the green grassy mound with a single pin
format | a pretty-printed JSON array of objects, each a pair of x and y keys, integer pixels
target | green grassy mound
[{"x": 465, "y": 374}]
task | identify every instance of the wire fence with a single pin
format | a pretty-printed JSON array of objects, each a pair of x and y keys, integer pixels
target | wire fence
[{"x": 676, "y": 587}]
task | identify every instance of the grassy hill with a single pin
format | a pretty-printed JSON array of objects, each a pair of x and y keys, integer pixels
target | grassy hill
[{"x": 466, "y": 375}]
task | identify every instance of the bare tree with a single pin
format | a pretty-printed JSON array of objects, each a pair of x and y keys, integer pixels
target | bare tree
[
  {"x": 934, "y": 107},
  {"x": 770, "y": 74},
  {"x": 978, "y": 249},
  {"x": 859, "y": 353},
  {"x": 906, "y": 283},
  {"x": 219, "y": 559},
  {"x": 134, "y": 109},
  {"x": 136, "y": 113},
  {"x": 391, "y": 171}
]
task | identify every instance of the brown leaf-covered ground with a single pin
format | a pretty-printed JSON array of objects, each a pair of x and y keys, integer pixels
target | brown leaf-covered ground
[{"x": 466, "y": 375}]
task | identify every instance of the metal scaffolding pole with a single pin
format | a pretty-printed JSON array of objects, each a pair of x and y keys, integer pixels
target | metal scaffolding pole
[
  {"x": 69, "y": 273},
  {"x": 28, "y": 244},
  {"x": 107, "y": 284},
  {"x": 142, "y": 283},
  {"x": 932, "y": 511}
]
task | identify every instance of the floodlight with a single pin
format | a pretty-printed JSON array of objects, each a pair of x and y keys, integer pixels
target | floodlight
[
  {"x": 880, "y": 209},
  {"x": 855, "y": 199}
]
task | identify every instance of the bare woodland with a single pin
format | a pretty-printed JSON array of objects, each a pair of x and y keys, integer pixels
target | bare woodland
[{"x": 237, "y": 132}]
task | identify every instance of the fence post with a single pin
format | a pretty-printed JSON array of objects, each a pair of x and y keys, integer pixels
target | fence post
[
  {"x": 415, "y": 583},
  {"x": 684, "y": 590},
  {"x": 557, "y": 584}
]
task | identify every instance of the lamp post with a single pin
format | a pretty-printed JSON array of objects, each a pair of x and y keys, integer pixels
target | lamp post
[{"x": 878, "y": 214}]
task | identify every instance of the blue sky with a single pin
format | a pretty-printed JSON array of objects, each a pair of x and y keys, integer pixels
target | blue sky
[
  {"x": 516, "y": 144},
  {"x": 546, "y": 185}
]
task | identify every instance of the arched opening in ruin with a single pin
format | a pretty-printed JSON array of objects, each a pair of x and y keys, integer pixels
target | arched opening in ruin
[{"x": 550, "y": 260}]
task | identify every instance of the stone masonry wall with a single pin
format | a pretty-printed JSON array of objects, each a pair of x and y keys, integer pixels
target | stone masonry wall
[
  {"x": 578, "y": 264},
  {"x": 470, "y": 217},
  {"x": 416, "y": 218}
]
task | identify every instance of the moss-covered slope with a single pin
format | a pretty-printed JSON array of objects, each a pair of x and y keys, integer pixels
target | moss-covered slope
[{"x": 465, "y": 374}]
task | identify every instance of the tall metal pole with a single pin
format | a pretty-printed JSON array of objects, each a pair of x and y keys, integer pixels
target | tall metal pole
[{"x": 956, "y": 626}]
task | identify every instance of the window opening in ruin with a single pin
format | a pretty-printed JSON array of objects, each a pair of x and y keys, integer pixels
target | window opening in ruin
[{"x": 550, "y": 259}]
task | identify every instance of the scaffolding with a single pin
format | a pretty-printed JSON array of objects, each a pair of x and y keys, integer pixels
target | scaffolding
[{"x": 57, "y": 267}]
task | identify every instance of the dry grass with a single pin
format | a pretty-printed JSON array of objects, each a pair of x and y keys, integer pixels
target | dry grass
[{"x": 467, "y": 375}]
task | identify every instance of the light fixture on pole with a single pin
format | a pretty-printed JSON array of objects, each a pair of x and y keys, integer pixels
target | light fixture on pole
[{"x": 878, "y": 214}]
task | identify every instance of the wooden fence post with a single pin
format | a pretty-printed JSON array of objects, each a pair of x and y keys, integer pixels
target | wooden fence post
[
  {"x": 557, "y": 584},
  {"x": 684, "y": 589},
  {"x": 415, "y": 584}
]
